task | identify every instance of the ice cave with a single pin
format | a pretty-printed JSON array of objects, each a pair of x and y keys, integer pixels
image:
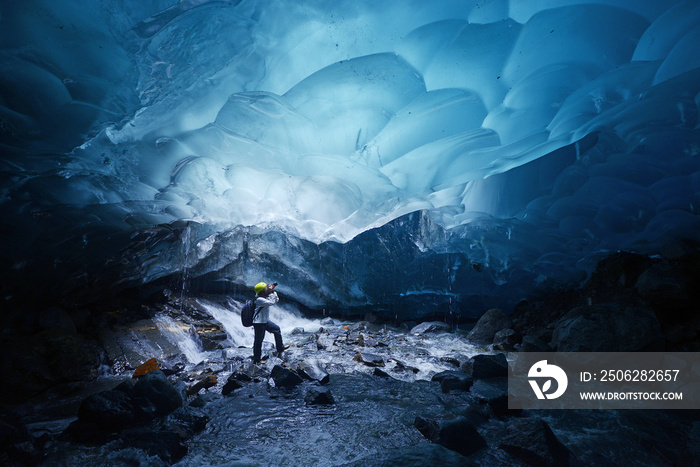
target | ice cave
[{"x": 391, "y": 162}]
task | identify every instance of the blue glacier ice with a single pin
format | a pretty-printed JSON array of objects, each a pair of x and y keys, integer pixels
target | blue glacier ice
[{"x": 408, "y": 157}]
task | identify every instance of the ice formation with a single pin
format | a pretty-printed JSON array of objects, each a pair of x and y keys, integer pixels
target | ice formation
[{"x": 363, "y": 152}]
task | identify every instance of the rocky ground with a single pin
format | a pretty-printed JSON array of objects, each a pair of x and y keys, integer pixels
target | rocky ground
[{"x": 630, "y": 303}]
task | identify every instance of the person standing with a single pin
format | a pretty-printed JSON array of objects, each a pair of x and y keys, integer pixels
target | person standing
[{"x": 265, "y": 297}]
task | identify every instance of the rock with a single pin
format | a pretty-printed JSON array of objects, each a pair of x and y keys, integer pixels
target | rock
[
  {"x": 312, "y": 371},
  {"x": 108, "y": 410},
  {"x": 327, "y": 322},
  {"x": 450, "y": 360},
  {"x": 401, "y": 366},
  {"x": 532, "y": 441},
  {"x": 284, "y": 377},
  {"x": 296, "y": 331},
  {"x": 460, "y": 436},
  {"x": 453, "y": 380},
  {"x": 319, "y": 396},
  {"x": 606, "y": 327},
  {"x": 488, "y": 325},
  {"x": 489, "y": 366},
  {"x": 381, "y": 374},
  {"x": 505, "y": 338},
  {"x": 359, "y": 326},
  {"x": 494, "y": 393},
  {"x": 533, "y": 344},
  {"x": 428, "y": 428},
  {"x": 369, "y": 359},
  {"x": 205, "y": 383},
  {"x": 352, "y": 338},
  {"x": 325, "y": 342},
  {"x": 165, "y": 444},
  {"x": 231, "y": 385},
  {"x": 431, "y": 326},
  {"x": 146, "y": 367},
  {"x": 212, "y": 339},
  {"x": 186, "y": 421},
  {"x": 365, "y": 340},
  {"x": 155, "y": 388},
  {"x": 663, "y": 284}
]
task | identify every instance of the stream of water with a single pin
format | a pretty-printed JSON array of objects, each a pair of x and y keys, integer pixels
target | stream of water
[{"x": 371, "y": 421}]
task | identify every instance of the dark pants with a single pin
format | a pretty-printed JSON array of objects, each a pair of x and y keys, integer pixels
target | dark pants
[{"x": 260, "y": 335}]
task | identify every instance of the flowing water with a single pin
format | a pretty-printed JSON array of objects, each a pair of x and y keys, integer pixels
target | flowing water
[{"x": 372, "y": 419}]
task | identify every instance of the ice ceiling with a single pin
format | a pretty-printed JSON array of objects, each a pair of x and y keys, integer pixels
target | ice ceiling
[{"x": 499, "y": 145}]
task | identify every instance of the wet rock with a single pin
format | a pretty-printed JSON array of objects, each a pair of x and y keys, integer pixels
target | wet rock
[
  {"x": 155, "y": 389},
  {"x": 488, "y": 325},
  {"x": 606, "y": 327},
  {"x": 319, "y": 396},
  {"x": 297, "y": 331},
  {"x": 532, "y": 441},
  {"x": 353, "y": 338},
  {"x": 460, "y": 436},
  {"x": 108, "y": 410},
  {"x": 365, "y": 340},
  {"x": 429, "y": 428},
  {"x": 146, "y": 367},
  {"x": 231, "y": 385},
  {"x": 311, "y": 370},
  {"x": 450, "y": 360},
  {"x": 186, "y": 421},
  {"x": 431, "y": 326},
  {"x": 453, "y": 380},
  {"x": 359, "y": 326},
  {"x": 381, "y": 374},
  {"x": 325, "y": 342},
  {"x": 401, "y": 366},
  {"x": 327, "y": 322},
  {"x": 235, "y": 381},
  {"x": 212, "y": 338},
  {"x": 489, "y": 366},
  {"x": 505, "y": 339},
  {"x": 165, "y": 444},
  {"x": 369, "y": 359},
  {"x": 205, "y": 383},
  {"x": 284, "y": 377},
  {"x": 533, "y": 344},
  {"x": 494, "y": 393}
]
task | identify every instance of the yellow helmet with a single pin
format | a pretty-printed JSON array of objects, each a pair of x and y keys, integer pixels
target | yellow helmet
[{"x": 259, "y": 287}]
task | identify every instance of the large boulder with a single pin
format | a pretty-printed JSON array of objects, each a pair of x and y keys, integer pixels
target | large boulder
[
  {"x": 489, "y": 366},
  {"x": 488, "y": 325},
  {"x": 533, "y": 442},
  {"x": 664, "y": 284},
  {"x": 154, "y": 389},
  {"x": 109, "y": 410},
  {"x": 606, "y": 327},
  {"x": 461, "y": 436}
]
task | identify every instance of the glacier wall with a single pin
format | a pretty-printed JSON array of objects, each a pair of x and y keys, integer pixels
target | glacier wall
[{"x": 405, "y": 155}]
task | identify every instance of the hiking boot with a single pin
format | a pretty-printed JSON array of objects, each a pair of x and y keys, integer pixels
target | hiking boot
[{"x": 279, "y": 354}]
